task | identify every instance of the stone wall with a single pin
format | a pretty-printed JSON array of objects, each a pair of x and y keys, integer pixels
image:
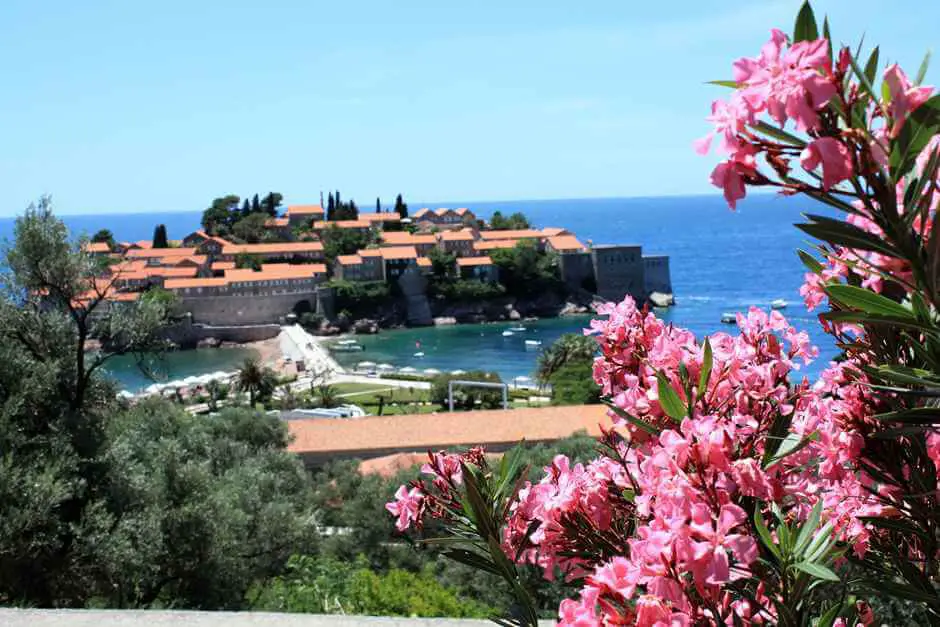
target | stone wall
[
  {"x": 187, "y": 334},
  {"x": 242, "y": 310},
  {"x": 618, "y": 271},
  {"x": 575, "y": 268},
  {"x": 656, "y": 275}
]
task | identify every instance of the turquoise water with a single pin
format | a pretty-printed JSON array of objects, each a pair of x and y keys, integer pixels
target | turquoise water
[
  {"x": 176, "y": 365},
  {"x": 720, "y": 261}
]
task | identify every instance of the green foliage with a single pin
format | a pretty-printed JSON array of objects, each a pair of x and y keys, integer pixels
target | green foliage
[
  {"x": 106, "y": 236},
  {"x": 573, "y": 384},
  {"x": 359, "y": 297},
  {"x": 569, "y": 348},
  {"x": 328, "y": 586},
  {"x": 468, "y": 397},
  {"x": 337, "y": 241},
  {"x": 311, "y": 320},
  {"x": 256, "y": 379},
  {"x": 516, "y": 221},
  {"x": 245, "y": 260},
  {"x": 270, "y": 203},
  {"x": 526, "y": 271},
  {"x": 400, "y": 207},
  {"x": 159, "y": 237},
  {"x": 466, "y": 290},
  {"x": 443, "y": 264},
  {"x": 250, "y": 229}
]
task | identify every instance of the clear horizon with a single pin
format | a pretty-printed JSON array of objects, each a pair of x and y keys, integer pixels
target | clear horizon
[{"x": 119, "y": 108}]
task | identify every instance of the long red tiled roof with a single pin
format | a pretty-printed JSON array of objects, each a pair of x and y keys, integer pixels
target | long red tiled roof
[
  {"x": 403, "y": 238},
  {"x": 348, "y": 260},
  {"x": 276, "y": 271},
  {"x": 304, "y": 210},
  {"x": 380, "y": 217},
  {"x": 399, "y": 252},
  {"x": 321, "y": 439},
  {"x": 463, "y": 235},
  {"x": 163, "y": 271},
  {"x": 500, "y": 243},
  {"x": 172, "y": 284},
  {"x": 276, "y": 222},
  {"x": 96, "y": 247},
  {"x": 565, "y": 243},
  {"x": 512, "y": 234},
  {"x": 342, "y": 224},
  {"x": 152, "y": 253},
  {"x": 465, "y": 262},
  {"x": 273, "y": 248}
]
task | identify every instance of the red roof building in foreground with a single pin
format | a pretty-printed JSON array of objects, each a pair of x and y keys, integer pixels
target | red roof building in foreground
[{"x": 318, "y": 440}]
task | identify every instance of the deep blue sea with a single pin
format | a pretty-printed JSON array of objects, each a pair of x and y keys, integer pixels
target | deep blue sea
[{"x": 721, "y": 261}]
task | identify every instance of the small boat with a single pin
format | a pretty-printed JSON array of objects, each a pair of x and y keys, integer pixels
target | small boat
[
  {"x": 347, "y": 348},
  {"x": 778, "y": 304},
  {"x": 344, "y": 342},
  {"x": 529, "y": 343},
  {"x": 419, "y": 355},
  {"x": 518, "y": 329},
  {"x": 508, "y": 333},
  {"x": 729, "y": 318}
]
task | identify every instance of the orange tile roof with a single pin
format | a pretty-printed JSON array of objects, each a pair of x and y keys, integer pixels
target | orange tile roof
[
  {"x": 153, "y": 253},
  {"x": 348, "y": 260},
  {"x": 370, "y": 252},
  {"x": 144, "y": 243},
  {"x": 552, "y": 231},
  {"x": 273, "y": 248},
  {"x": 196, "y": 259},
  {"x": 424, "y": 262},
  {"x": 380, "y": 217},
  {"x": 565, "y": 243},
  {"x": 421, "y": 212},
  {"x": 343, "y": 224},
  {"x": 173, "y": 284},
  {"x": 403, "y": 238},
  {"x": 399, "y": 252},
  {"x": 125, "y": 296},
  {"x": 162, "y": 271},
  {"x": 128, "y": 266},
  {"x": 495, "y": 429},
  {"x": 512, "y": 234},
  {"x": 304, "y": 210},
  {"x": 462, "y": 211},
  {"x": 462, "y": 235},
  {"x": 276, "y": 222},
  {"x": 276, "y": 272},
  {"x": 501, "y": 243},
  {"x": 223, "y": 265},
  {"x": 96, "y": 247},
  {"x": 465, "y": 262}
]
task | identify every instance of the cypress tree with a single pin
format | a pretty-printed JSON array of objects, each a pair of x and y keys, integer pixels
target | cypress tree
[
  {"x": 159, "y": 237},
  {"x": 255, "y": 204},
  {"x": 401, "y": 208},
  {"x": 246, "y": 208},
  {"x": 330, "y": 208},
  {"x": 378, "y": 206}
]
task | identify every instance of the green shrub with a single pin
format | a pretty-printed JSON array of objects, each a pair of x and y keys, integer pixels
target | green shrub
[{"x": 468, "y": 397}]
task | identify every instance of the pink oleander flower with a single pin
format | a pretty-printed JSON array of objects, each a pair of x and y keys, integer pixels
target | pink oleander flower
[
  {"x": 730, "y": 175},
  {"x": 717, "y": 542},
  {"x": 406, "y": 506},
  {"x": 729, "y": 119},
  {"x": 789, "y": 83},
  {"x": 905, "y": 97},
  {"x": 832, "y": 155},
  {"x": 445, "y": 467}
]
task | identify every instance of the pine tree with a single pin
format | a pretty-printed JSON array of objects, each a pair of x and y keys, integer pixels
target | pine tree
[
  {"x": 255, "y": 204},
  {"x": 159, "y": 237},
  {"x": 330, "y": 208}
]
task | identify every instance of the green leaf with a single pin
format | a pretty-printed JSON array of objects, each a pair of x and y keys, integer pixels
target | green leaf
[
  {"x": 903, "y": 374},
  {"x": 827, "y": 35},
  {"x": 778, "y": 133},
  {"x": 867, "y": 301},
  {"x": 791, "y": 444},
  {"x": 707, "y": 362},
  {"x": 805, "y": 28},
  {"x": 871, "y": 68},
  {"x": 669, "y": 399},
  {"x": 914, "y": 415},
  {"x": 731, "y": 84},
  {"x": 817, "y": 570},
  {"x": 862, "y": 77},
  {"x": 808, "y": 529},
  {"x": 828, "y": 619},
  {"x": 842, "y": 233},
  {"x": 919, "y": 127},
  {"x": 865, "y": 318},
  {"x": 764, "y": 533},
  {"x": 811, "y": 263},
  {"x": 922, "y": 72},
  {"x": 637, "y": 422}
]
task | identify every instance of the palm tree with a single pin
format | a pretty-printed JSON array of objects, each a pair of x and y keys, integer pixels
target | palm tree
[
  {"x": 566, "y": 349},
  {"x": 255, "y": 379}
]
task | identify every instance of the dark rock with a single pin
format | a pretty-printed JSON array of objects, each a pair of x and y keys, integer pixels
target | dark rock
[{"x": 209, "y": 342}]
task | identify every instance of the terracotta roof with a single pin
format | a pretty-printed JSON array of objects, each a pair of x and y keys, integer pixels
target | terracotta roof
[
  {"x": 304, "y": 210},
  {"x": 223, "y": 265},
  {"x": 462, "y": 235},
  {"x": 273, "y": 248},
  {"x": 151, "y": 253},
  {"x": 390, "y": 465},
  {"x": 421, "y": 212},
  {"x": 96, "y": 247},
  {"x": 502, "y": 243},
  {"x": 424, "y": 262},
  {"x": 552, "y": 231},
  {"x": 144, "y": 243},
  {"x": 462, "y": 211},
  {"x": 464, "y": 262},
  {"x": 380, "y": 217},
  {"x": 125, "y": 266},
  {"x": 399, "y": 252},
  {"x": 348, "y": 260},
  {"x": 403, "y": 238},
  {"x": 512, "y": 234},
  {"x": 164, "y": 271},
  {"x": 495, "y": 429},
  {"x": 196, "y": 259},
  {"x": 210, "y": 282},
  {"x": 276, "y": 271},
  {"x": 370, "y": 252},
  {"x": 276, "y": 222},
  {"x": 125, "y": 296},
  {"x": 565, "y": 243}
]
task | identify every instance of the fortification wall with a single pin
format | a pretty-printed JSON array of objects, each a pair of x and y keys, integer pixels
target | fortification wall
[
  {"x": 575, "y": 269},
  {"x": 656, "y": 274},
  {"x": 187, "y": 334},
  {"x": 243, "y": 310},
  {"x": 618, "y": 271}
]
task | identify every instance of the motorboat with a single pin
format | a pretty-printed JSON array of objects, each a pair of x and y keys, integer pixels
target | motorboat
[
  {"x": 533, "y": 343},
  {"x": 729, "y": 318},
  {"x": 508, "y": 334},
  {"x": 778, "y": 304},
  {"x": 344, "y": 342},
  {"x": 419, "y": 355},
  {"x": 347, "y": 348},
  {"x": 518, "y": 329}
]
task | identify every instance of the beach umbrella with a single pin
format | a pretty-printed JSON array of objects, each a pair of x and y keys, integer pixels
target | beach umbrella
[
  {"x": 191, "y": 380},
  {"x": 174, "y": 384},
  {"x": 386, "y": 367},
  {"x": 408, "y": 369},
  {"x": 458, "y": 372},
  {"x": 153, "y": 388},
  {"x": 365, "y": 364},
  {"x": 431, "y": 371},
  {"x": 218, "y": 374},
  {"x": 125, "y": 394}
]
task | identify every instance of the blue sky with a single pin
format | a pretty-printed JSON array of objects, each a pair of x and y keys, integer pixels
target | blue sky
[{"x": 160, "y": 106}]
